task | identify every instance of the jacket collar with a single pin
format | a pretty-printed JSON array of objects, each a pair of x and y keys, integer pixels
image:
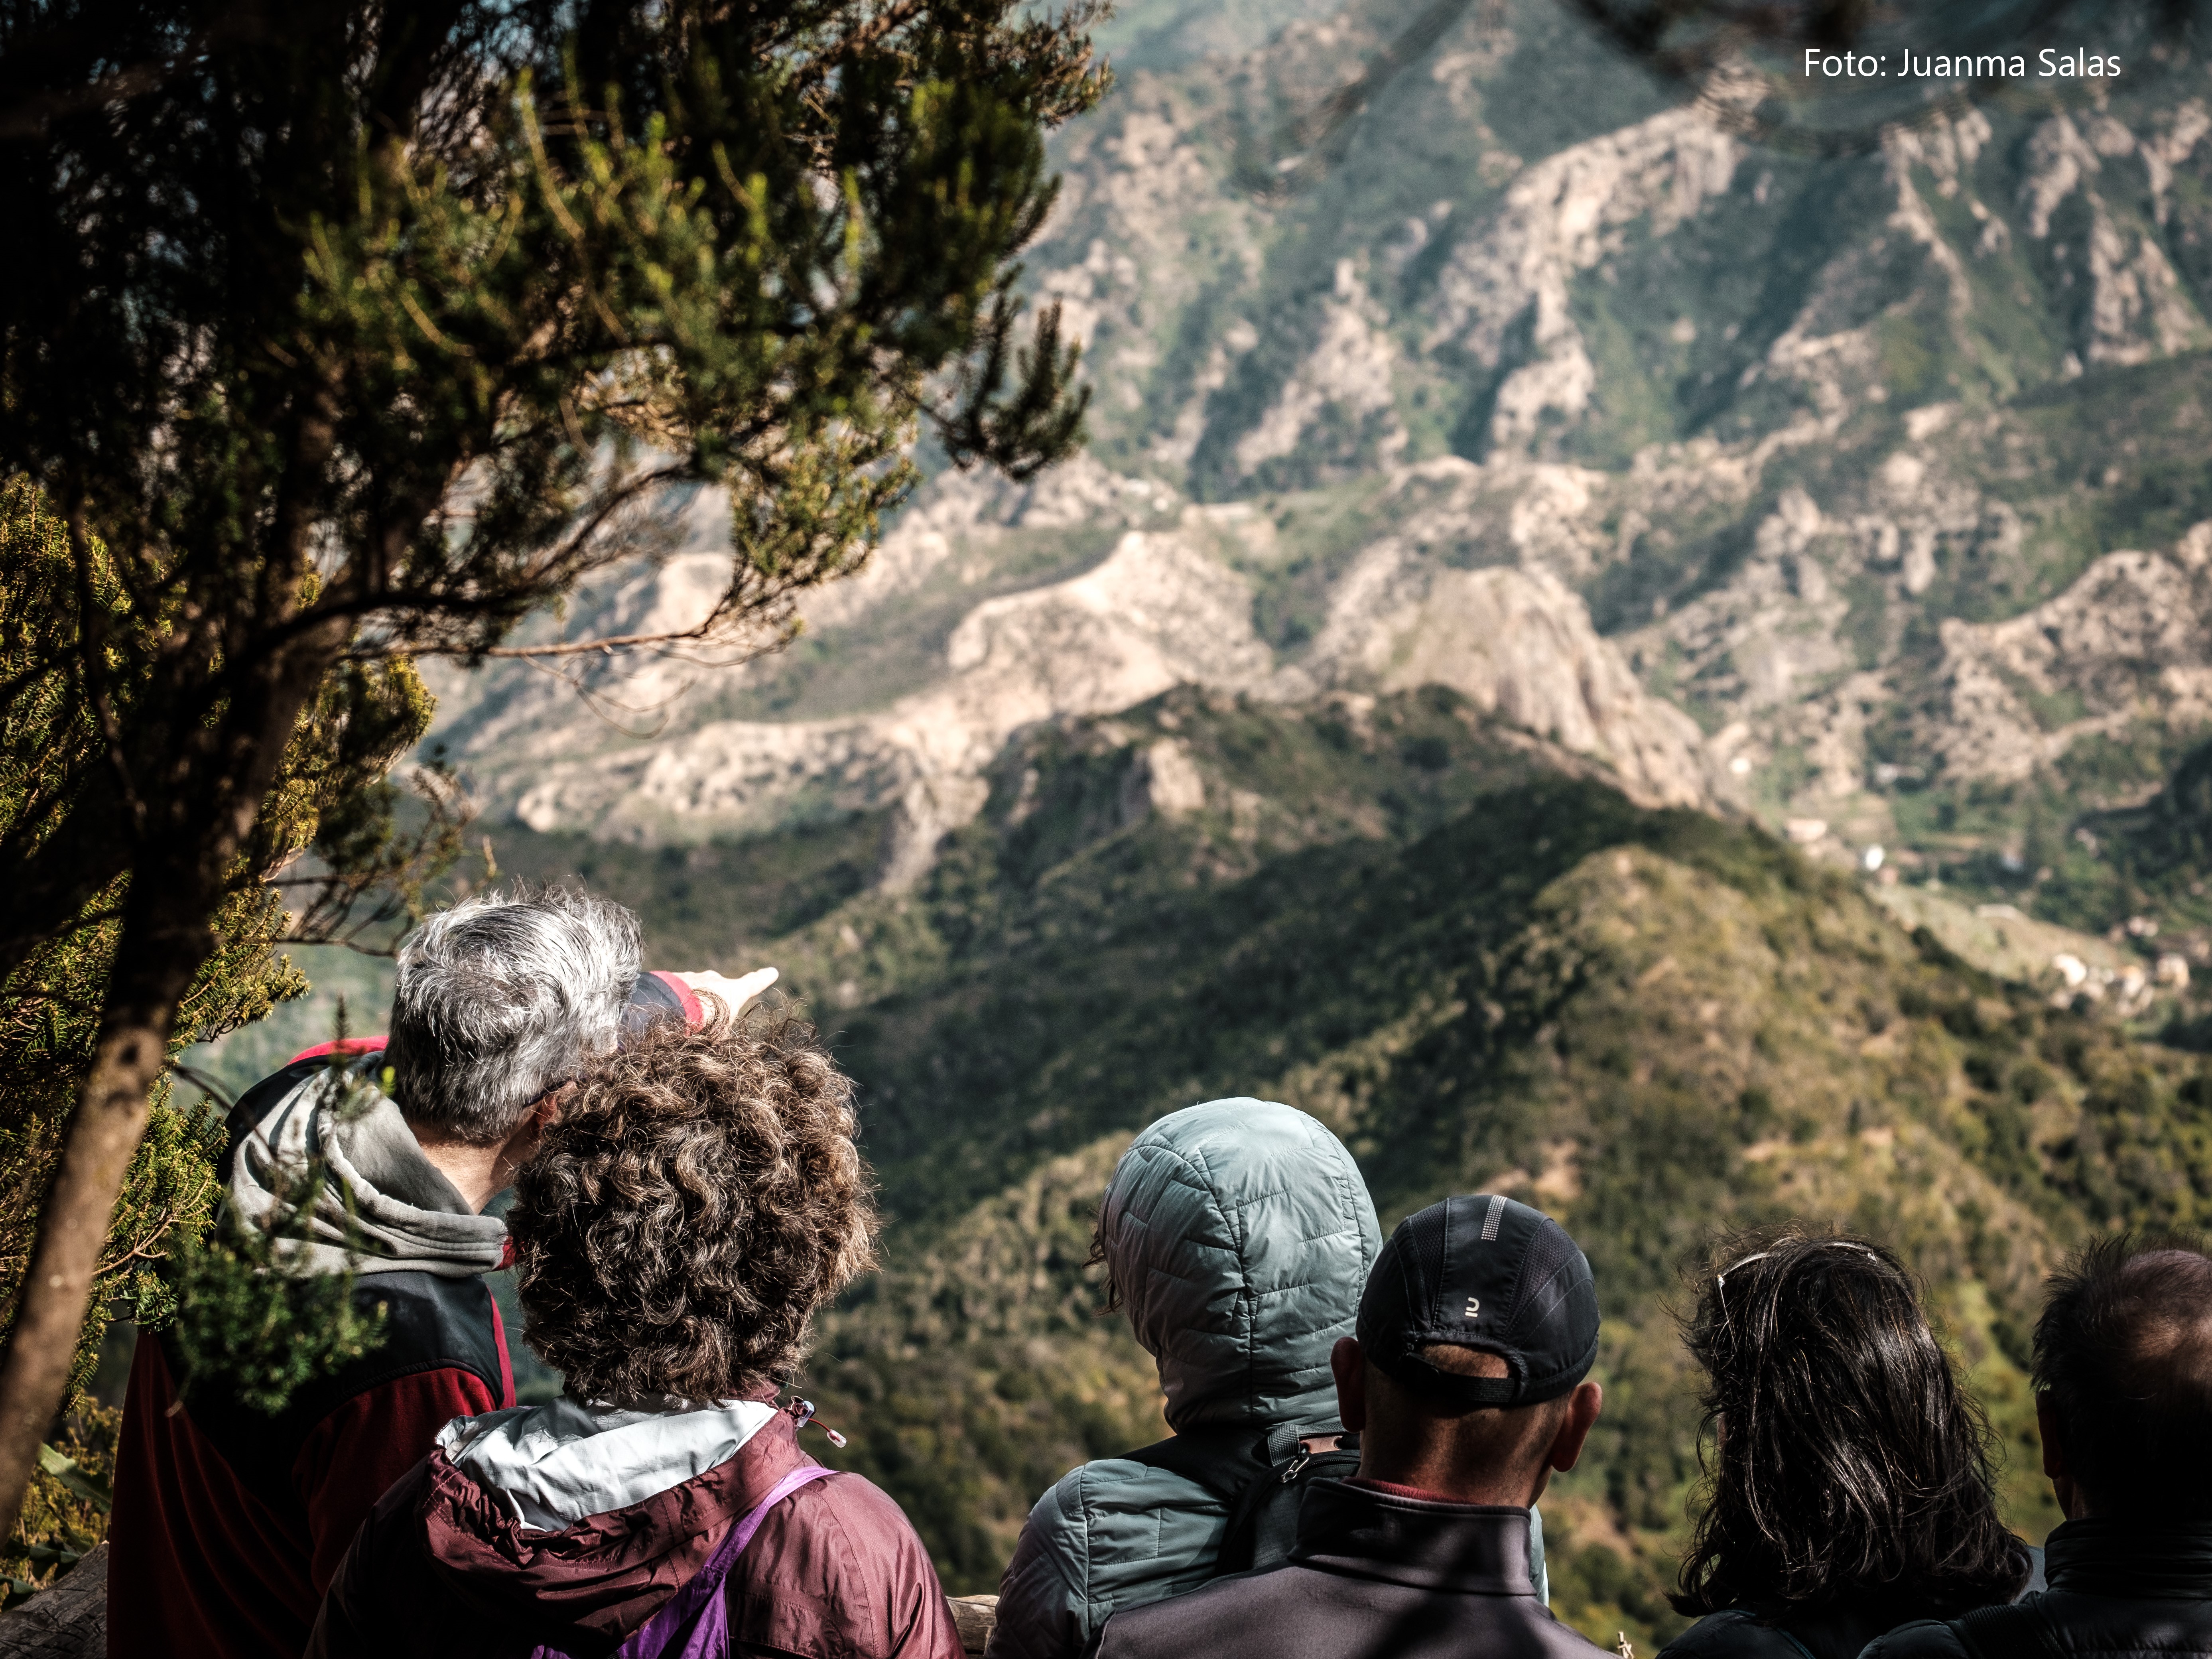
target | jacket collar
[
  {"x": 1476, "y": 1549},
  {"x": 607, "y": 1573},
  {"x": 556, "y": 1464},
  {"x": 2163, "y": 1561},
  {"x": 382, "y": 1208}
]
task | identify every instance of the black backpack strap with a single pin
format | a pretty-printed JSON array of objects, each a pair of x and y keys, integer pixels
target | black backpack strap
[
  {"x": 1223, "y": 1461},
  {"x": 1262, "y": 1478},
  {"x": 2010, "y": 1630}
]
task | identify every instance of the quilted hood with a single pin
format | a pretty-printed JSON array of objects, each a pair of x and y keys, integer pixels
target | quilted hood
[{"x": 1240, "y": 1234}]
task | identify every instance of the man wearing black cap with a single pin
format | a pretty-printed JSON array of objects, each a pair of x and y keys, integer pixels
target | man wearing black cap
[{"x": 1466, "y": 1386}]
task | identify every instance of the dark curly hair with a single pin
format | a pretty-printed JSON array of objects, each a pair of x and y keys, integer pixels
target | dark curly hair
[
  {"x": 1851, "y": 1462},
  {"x": 699, "y": 1198}
]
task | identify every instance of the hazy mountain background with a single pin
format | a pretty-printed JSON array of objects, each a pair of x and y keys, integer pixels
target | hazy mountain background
[{"x": 1510, "y": 523}]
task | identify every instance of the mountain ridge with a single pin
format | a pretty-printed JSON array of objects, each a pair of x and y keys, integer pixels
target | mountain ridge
[{"x": 1783, "y": 461}]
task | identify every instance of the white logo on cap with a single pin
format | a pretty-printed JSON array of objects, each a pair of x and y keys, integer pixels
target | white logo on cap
[{"x": 1473, "y": 1307}]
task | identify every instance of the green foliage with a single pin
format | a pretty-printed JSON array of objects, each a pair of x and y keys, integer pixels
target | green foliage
[
  {"x": 77, "y": 1480},
  {"x": 971, "y": 1382},
  {"x": 578, "y": 259},
  {"x": 50, "y": 1006},
  {"x": 2120, "y": 826},
  {"x": 372, "y": 334},
  {"x": 348, "y": 987},
  {"x": 250, "y": 1329},
  {"x": 717, "y": 902},
  {"x": 246, "y": 1321},
  {"x": 66, "y": 1512},
  {"x": 1486, "y": 977},
  {"x": 2164, "y": 845},
  {"x": 330, "y": 797}
]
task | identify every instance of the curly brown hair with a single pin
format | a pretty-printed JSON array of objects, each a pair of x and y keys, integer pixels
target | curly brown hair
[{"x": 699, "y": 1196}]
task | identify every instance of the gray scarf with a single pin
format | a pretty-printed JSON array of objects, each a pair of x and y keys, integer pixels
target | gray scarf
[{"x": 404, "y": 1216}]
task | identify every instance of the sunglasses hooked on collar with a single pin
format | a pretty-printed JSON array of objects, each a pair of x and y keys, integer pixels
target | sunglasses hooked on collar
[{"x": 801, "y": 1412}]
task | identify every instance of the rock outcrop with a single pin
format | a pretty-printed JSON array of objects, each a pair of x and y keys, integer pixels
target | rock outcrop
[
  {"x": 2130, "y": 640},
  {"x": 1166, "y": 607},
  {"x": 1154, "y": 614},
  {"x": 1503, "y": 299},
  {"x": 1628, "y": 428}
]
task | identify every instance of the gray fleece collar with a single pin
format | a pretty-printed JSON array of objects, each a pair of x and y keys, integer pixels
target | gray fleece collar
[{"x": 383, "y": 1207}]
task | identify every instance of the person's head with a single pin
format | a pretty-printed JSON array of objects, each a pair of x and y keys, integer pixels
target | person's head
[
  {"x": 500, "y": 1001},
  {"x": 1237, "y": 1234},
  {"x": 1477, "y": 1331},
  {"x": 2123, "y": 1379},
  {"x": 698, "y": 1198},
  {"x": 1843, "y": 1456}
]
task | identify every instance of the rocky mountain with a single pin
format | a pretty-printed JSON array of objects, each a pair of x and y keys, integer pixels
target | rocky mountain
[
  {"x": 989, "y": 611},
  {"x": 1859, "y": 490}
]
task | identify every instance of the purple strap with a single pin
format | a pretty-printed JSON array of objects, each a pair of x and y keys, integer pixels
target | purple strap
[{"x": 695, "y": 1622}]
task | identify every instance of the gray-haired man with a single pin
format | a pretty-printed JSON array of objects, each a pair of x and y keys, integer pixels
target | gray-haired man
[{"x": 230, "y": 1522}]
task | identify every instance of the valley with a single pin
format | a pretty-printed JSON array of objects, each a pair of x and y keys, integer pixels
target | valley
[{"x": 1486, "y": 972}]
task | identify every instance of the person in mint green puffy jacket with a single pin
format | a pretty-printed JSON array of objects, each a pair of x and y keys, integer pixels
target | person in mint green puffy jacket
[{"x": 1238, "y": 1235}]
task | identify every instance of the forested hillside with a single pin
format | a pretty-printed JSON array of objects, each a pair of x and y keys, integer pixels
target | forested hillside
[{"x": 1646, "y": 1022}]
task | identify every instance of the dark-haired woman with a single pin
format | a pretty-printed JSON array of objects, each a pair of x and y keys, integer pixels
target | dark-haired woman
[
  {"x": 699, "y": 1198},
  {"x": 1849, "y": 1489}
]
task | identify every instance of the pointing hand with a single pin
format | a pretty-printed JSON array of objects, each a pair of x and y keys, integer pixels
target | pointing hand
[{"x": 734, "y": 993}]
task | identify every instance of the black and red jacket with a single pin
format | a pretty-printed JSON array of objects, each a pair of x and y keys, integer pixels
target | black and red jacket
[{"x": 230, "y": 1522}]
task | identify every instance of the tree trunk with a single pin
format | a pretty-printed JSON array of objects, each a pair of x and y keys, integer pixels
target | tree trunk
[
  {"x": 176, "y": 884},
  {"x": 164, "y": 942}
]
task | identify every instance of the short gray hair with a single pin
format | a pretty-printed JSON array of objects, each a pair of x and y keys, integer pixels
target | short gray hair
[{"x": 504, "y": 998}]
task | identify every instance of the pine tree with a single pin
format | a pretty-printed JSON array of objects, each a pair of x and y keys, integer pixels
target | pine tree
[
  {"x": 360, "y": 331},
  {"x": 332, "y": 788}
]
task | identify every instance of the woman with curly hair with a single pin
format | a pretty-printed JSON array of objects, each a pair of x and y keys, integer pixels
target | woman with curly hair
[
  {"x": 1851, "y": 1491},
  {"x": 698, "y": 1198}
]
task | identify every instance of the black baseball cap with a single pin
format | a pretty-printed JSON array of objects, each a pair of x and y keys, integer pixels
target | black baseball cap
[{"x": 1486, "y": 1273}]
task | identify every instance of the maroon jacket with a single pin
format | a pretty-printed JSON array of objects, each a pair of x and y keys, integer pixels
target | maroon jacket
[{"x": 440, "y": 1570}]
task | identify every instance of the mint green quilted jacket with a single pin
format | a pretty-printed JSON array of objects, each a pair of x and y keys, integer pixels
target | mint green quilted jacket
[{"x": 1240, "y": 1233}]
